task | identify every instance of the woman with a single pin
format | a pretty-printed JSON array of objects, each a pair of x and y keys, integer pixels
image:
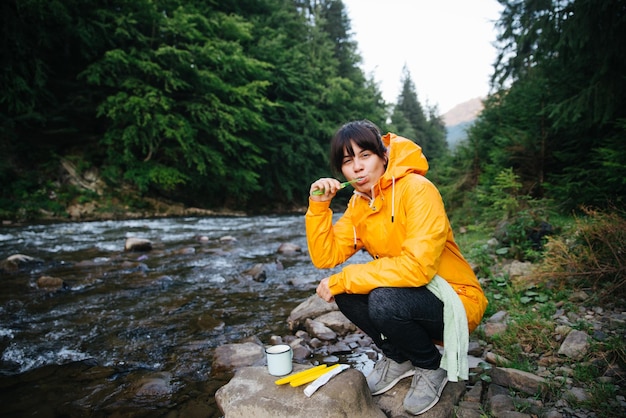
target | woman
[{"x": 417, "y": 276}]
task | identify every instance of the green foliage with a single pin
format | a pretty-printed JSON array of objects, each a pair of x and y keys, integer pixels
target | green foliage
[
  {"x": 215, "y": 104},
  {"x": 533, "y": 296},
  {"x": 481, "y": 258},
  {"x": 233, "y": 103},
  {"x": 559, "y": 106},
  {"x": 522, "y": 222},
  {"x": 503, "y": 196},
  {"x": 176, "y": 102}
]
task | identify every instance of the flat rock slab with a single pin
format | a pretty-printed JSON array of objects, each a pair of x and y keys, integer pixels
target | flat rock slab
[
  {"x": 391, "y": 401},
  {"x": 253, "y": 393}
]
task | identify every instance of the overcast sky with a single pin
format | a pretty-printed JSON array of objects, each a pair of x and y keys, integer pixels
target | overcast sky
[{"x": 446, "y": 44}]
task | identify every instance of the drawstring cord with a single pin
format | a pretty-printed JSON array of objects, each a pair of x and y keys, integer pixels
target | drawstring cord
[
  {"x": 372, "y": 199},
  {"x": 393, "y": 198}
]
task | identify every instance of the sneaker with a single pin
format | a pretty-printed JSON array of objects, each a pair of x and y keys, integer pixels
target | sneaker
[
  {"x": 387, "y": 373},
  {"x": 425, "y": 390}
]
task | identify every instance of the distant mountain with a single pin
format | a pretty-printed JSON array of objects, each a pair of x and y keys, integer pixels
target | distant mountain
[{"x": 458, "y": 119}]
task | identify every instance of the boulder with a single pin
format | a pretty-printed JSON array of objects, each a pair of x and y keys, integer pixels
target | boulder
[
  {"x": 319, "y": 330},
  {"x": 230, "y": 357},
  {"x": 257, "y": 272},
  {"x": 519, "y": 380},
  {"x": 289, "y": 248},
  {"x": 253, "y": 393},
  {"x": 50, "y": 283},
  {"x": 312, "y": 307},
  {"x": 391, "y": 402},
  {"x": 338, "y": 322},
  {"x": 17, "y": 261},
  {"x": 576, "y": 345},
  {"x": 138, "y": 244}
]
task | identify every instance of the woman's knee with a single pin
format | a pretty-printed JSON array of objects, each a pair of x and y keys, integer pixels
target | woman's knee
[
  {"x": 383, "y": 304},
  {"x": 404, "y": 303}
]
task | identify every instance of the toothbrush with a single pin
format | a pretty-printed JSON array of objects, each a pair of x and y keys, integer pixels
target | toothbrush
[{"x": 320, "y": 192}]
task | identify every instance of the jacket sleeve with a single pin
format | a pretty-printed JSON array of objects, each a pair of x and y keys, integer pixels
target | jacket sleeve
[
  {"x": 329, "y": 245},
  {"x": 423, "y": 242}
]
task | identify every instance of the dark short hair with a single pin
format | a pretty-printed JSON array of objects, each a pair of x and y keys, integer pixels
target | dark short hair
[{"x": 364, "y": 133}]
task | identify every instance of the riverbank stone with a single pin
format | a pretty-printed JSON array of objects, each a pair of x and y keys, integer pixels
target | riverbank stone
[
  {"x": 253, "y": 393},
  {"x": 17, "y": 261},
  {"x": 528, "y": 383},
  {"x": 312, "y": 307},
  {"x": 576, "y": 345},
  {"x": 138, "y": 244}
]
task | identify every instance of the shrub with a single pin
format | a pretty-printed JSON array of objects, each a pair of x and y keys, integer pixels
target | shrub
[{"x": 592, "y": 255}]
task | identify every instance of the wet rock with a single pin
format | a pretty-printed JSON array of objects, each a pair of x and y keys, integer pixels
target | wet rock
[
  {"x": 138, "y": 244},
  {"x": 228, "y": 238},
  {"x": 253, "y": 393},
  {"x": 576, "y": 345},
  {"x": 337, "y": 322},
  {"x": 208, "y": 322},
  {"x": 154, "y": 386},
  {"x": 202, "y": 238},
  {"x": 17, "y": 261},
  {"x": 133, "y": 267},
  {"x": 276, "y": 339},
  {"x": 185, "y": 251},
  {"x": 289, "y": 248},
  {"x": 319, "y": 330},
  {"x": 50, "y": 283},
  {"x": 164, "y": 282},
  {"x": 260, "y": 271},
  {"x": 310, "y": 308},
  {"x": 257, "y": 272}
]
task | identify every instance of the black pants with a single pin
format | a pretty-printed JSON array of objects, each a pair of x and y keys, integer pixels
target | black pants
[{"x": 403, "y": 322}]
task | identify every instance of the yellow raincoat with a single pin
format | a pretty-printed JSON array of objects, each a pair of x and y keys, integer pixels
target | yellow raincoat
[{"x": 404, "y": 227}]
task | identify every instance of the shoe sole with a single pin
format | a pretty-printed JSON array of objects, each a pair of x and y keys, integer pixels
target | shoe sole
[
  {"x": 434, "y": 402},
  {"x": 394, "y": 382}
]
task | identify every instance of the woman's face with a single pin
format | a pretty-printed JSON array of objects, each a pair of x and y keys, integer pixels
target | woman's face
[{"x": 365, "y": 165}]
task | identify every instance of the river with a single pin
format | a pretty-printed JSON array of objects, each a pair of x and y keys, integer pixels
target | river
[{"x": 127, "y": 318}]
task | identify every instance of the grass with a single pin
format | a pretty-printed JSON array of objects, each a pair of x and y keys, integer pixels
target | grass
[{"x": 531, "y": 305}]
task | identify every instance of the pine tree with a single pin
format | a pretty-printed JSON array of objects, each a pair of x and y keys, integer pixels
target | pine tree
[
  {"x": 565, "y": 60},
  {"x": 409, "y": 120}
]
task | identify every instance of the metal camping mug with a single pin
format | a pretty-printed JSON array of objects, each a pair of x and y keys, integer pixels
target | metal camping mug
[{"x": 279, "y": 359}]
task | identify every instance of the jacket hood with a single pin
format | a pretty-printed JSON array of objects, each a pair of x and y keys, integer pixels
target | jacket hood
[{"x": 405, "y": 157}]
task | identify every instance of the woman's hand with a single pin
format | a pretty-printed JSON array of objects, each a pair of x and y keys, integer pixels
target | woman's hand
[
  {"x": 323, "y": 291},
  {"x": 328, "y": 186}
]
